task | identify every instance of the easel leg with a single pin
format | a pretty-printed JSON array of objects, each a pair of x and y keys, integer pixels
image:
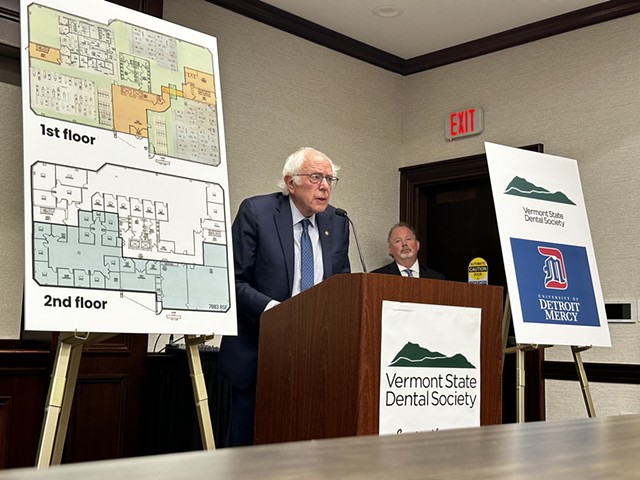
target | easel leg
[
  {"x": 582, "y": 377},
  {"x": 59, "y": 399},
  {"x": 65, "y": 411},
  {"x": 520, "y": 365},
  {"x": 520, "y": 385},
  {"x": 200, "y": 390},
  {"x": 506, "y": 321}
]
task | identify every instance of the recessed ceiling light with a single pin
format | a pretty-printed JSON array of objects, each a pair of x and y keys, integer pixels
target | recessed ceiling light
[{"x": 387, "y": 11}]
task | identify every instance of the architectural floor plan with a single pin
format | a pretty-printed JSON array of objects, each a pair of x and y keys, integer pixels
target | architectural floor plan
[
  {"x": 126, "y": 79},
  {"x": 126, "y": 189},
  {"x": 90, "y": 234}
]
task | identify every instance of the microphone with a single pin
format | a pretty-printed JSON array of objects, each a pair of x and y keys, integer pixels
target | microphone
[{"x": 342, "y": 213}]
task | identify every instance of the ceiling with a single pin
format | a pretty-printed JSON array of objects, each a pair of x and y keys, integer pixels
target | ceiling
[
  {"x": 424, "y": 26},
  {"x": 427, "y": 33}
]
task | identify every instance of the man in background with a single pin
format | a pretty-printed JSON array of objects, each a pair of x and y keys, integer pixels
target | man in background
[
  {"x": 283, "y": 243},
  {"x": 403, "y": 248}
]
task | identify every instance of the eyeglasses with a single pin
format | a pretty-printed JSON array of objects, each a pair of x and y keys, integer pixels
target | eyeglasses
[{"x": 317, "y": 178}]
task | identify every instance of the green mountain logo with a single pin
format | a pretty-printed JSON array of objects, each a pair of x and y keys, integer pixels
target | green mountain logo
[
  {"x": 520, "y": 187},
  {"x": 413, "y": 355}
]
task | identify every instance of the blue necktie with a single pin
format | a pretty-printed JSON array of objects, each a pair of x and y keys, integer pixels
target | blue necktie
[
  {"x": 306, "y": 257},
  {"x": 409, "y": 272}
]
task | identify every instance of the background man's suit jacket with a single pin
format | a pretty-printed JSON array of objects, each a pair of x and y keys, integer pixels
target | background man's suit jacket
[
  {"x": 264, "y": 261},
  {"x": 425, "y": 272}
]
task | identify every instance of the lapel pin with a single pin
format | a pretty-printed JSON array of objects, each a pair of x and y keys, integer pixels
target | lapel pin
[{"x": 326, "y": 233}]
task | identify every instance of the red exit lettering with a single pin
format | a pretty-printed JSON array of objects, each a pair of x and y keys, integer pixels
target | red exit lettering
[{"x": 461, "y": 122}]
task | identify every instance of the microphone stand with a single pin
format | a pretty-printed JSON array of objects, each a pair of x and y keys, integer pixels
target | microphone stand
[{"x": 341, "y": 212}]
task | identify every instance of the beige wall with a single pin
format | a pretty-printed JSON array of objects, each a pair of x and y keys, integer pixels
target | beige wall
[
  {"x": 576, "y": 93},
  {"x": 280, "y": 92},
  {"x": 11, "y": 199}
]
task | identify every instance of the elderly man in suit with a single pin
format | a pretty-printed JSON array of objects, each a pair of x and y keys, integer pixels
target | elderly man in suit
[
  {"x": 283, "y": 243},
  {"x": 403, "y": 248}
]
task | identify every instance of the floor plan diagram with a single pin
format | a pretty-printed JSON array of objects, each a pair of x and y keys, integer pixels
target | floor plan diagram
[
  {"x": 126, "y": 191},
  {"x": 86, "y": 235},
  {"x": 126, "y": 79}
]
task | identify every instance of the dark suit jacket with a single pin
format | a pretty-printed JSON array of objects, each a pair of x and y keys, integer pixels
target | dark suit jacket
[
  {"x": 425, "y": 272},
  {"x": 264, "y": 261}
]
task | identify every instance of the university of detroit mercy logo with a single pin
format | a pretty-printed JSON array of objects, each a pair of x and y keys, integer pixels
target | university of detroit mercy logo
[
  {"x": 554, "y": 283},
  {"x": 555, "y": 273}
]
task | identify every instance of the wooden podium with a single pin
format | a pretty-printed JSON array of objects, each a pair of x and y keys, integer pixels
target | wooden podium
[{"x": 319, "y": 355}]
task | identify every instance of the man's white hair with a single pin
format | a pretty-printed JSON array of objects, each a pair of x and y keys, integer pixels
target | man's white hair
[{"x": 294, "y": 163}]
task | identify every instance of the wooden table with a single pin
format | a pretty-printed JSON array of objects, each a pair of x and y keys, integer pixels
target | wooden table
[{"x": 590, "y": 448}]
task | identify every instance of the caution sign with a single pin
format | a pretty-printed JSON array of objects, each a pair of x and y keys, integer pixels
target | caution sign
[{"x": 478, "y": 271}]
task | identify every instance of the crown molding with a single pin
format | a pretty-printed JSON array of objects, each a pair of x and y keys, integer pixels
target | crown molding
[{"x": 285, "y": 21}]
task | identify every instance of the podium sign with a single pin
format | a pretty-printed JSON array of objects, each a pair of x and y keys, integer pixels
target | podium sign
[
  {"x": 429, "y": 367},
  {"x": 549, "y": 260}
]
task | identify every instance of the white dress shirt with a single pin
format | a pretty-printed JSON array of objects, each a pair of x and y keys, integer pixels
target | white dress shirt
[{"x": 415, "y": 268}]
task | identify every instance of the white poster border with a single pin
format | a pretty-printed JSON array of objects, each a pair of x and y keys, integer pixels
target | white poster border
[
  {"x": 447, "y": 392},
  {"x": 55, "y": 144},
  {"x": 520, "y": 218}
]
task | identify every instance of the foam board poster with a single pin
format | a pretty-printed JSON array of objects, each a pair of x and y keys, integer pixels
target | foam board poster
[
  {"x": 550, "y": 264},
  {"x": 125, "y": 174},
  {"x": 429, "y": 367}
]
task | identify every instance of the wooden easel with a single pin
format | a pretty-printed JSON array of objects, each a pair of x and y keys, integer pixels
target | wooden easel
[
  {"x": 200, "y": 389},
  {"x": 63, "y": 383},
  {"x": 520, "y": 349}
]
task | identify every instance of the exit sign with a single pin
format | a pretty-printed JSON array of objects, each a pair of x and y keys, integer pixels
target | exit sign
[{"x": 464, "y": 124}]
